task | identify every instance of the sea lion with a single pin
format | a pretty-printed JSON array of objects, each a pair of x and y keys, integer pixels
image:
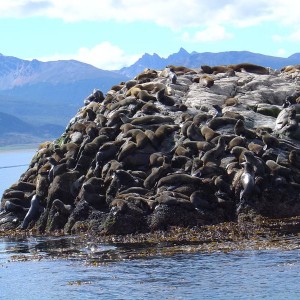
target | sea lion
[
  {"x": 127, "y": 148},
  {"x": 251, "y": 68},
  {"x": 156, "y": 174},
  {"x": 236, "y": 141},
  {"x": 202, "y": 201},
  {"x": 256, "y": 148},
  {"x": 33, "y": 213},
  {"x": 76, "y": 186},
  {"x": 238, "y": 152},
  {"x": 150, "y": 108},
  {"x": 164, "y": 131},
  {"x": 291, "y": 128},
  {"x": 217, "y": 122},
  {"x": 109, "y": 169},
  {"x": 138, "y": 136},
  {"x": 179, "y": 179},
  {"x": 147, "y": 74},
  {"x": 62, "y": 208},
  {"x": 206, "y": 81},
  {"x": 126, "y": 180},
  {"x": 215, "y": 69},
  {"x": 11, "y": 206},
  {"x": 197, "y": 146},
  {"x": 276, "y": 169},
  {"x": 269, "y": 140},
  {"x": 13, "y": 194},
  {"x": 130, "y": 83},
  {"x": 145, "y": 96},
  {"x": 133, "y": 91},
  {"x": 282, "y": 118},
  {"x": 96, "y": 96},
  {"x": 108, "y": 151},
  {"x": 294, "y": 158},
  {"x": 117, "y": 87},
  {"x": 200, "y": 118},
  {"x": 240, "y": 129},
  {"x": 184, "y": 127},
  {"x": 147, "y": 120},
  {"x": 197, "y": 163},
  {"x": 256, "y": 162},
  {"x": 181, "y": 69},
  {"x": 164, "y": 99},
  {"x": 194, "y": 133},
  {"x": 208, "y": 133},
  {"x": 214, "y": 154},
  {"x": 231, "y": 101},
  {"x": 233, "y": 115},
  {"x": 128, "y": 101},
  {"x": 222, "y": 185}
]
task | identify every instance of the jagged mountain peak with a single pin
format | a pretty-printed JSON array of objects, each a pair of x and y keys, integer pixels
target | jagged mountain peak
[{"x": 195, "y": 60}]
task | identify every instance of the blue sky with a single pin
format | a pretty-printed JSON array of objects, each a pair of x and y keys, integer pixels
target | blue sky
[{"x": 111, "y": 34}]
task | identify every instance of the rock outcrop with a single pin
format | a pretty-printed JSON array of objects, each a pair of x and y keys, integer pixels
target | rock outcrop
[{"x": 168, "y": 148}]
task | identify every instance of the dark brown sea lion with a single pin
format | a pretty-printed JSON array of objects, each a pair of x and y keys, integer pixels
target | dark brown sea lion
[
  {"x": 269, "y": 140},
  {"x": 215, "y": 69},
  {"x": 181, "y": 69},
  {"x": 165, "y": 99},
  {"x": 194, "y": 133},
  {"x": 156, "y": 174},
  {"x": 62, "y": 208},
  {"x": 236, "y": 141},
  {"x": 218, "y": 122},
  {"x": 147, "y": 120},
  {"x": 145, "y": 96},
  {"x": 251, "y": 68},
  {"x": 276, "y": 169},
  {"x": 208, "y": 133},
  {"x": 240, "y": 129},
  {"x": 256, "y": 162},
  {"x": 150, "y": 108},
  {"x": 179, "y": 179},
  {"x": 214, "y": 154}
]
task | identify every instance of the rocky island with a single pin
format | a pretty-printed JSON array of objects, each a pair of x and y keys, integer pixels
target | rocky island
[{"x": 169, "y": 151}]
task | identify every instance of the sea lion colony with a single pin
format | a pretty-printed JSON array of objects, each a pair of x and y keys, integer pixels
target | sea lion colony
[{"x": 177, "y": 147}]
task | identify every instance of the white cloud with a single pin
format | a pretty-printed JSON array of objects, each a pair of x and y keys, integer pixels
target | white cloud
[
  {"x": 104, "y": 56},
  {"x": 292, "y": 37},
  {"x": 210, "y": 34},
  {"x": 175, "y": 14},
  {"x": 278, "y": 38},
  {"x": 281, "y": 52},
  {"x": 295, "y": 36}
]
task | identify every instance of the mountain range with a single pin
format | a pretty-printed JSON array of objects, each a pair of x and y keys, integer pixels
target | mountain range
[
  {"x": 46, "y": 95},
  {"x": 195, "y": 60}
]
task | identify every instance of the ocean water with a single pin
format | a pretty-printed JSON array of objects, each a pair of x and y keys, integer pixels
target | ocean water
[
  {"x": 29, "y": 270},
  {"x": 12, "y": 164},
  {"x": 263, "y": 274}
]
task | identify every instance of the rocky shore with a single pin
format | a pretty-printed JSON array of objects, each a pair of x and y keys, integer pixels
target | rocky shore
[{"x": 172, "y": 148}]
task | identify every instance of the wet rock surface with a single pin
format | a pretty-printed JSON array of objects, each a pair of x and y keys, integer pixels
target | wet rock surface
[{"x": 161, "y": 151}]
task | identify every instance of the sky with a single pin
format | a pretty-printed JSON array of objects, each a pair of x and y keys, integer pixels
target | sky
[{"x": 111, "y": 34}]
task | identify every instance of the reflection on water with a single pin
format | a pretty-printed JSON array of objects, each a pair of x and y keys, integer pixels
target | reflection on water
[{"x": 265, "y": 274}]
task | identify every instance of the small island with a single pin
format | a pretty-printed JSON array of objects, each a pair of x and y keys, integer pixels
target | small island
[{"x": 179, "y": 154}]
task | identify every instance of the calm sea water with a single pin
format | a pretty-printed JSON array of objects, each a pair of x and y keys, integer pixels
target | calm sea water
[
  {"x": 12, "y": 165},
  {"x": 271, "y": 274}
]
